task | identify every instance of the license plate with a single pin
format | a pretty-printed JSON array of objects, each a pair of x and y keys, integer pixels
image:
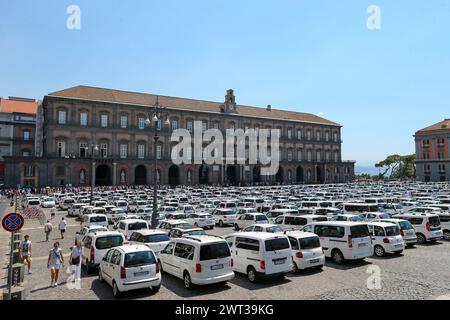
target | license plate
[
  {"x": 217, "y": 267},
  {"x": 143, "y": 273},
  {"x": 314, "y": 261},
  {"x": 277, "y": 262},
  {"x": 360, "y": 245}
]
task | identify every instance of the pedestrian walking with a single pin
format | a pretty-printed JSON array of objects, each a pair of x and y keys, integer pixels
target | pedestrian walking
[
  {"x": 48, "y": 227},
  {"x": 55, "y": 262},
  {"x": 62, "y": 227},
  {"x": 75, "y": 260},
  {"x": 25, "y": 252}
]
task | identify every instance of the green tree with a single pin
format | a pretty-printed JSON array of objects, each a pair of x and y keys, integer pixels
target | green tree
[{"x": 398, "y": 167}]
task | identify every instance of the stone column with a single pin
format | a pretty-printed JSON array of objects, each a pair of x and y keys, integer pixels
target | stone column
[{"x": 114, "y": 173}]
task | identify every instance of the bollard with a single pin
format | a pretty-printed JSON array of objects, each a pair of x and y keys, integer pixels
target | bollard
[
  {"x": 17, "y": 293},
  {"x": 16, "y": 257},
  {"x": 16, "y": 244},
  {"x": 18, "y": 274}
]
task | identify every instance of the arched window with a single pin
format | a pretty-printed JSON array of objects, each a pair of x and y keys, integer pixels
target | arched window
[{"x": 82, "y": 176}]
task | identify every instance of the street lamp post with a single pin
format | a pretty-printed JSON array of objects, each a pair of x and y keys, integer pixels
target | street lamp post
[
  {"x": 93, "y": 148},
  {"x": 157, "y": 116}
]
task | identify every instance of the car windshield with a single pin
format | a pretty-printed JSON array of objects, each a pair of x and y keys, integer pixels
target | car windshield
[
  {"x": 277, "y": 244},
  {"x": 108, "y": 242},
  {"x": 274, "y": 229},
  {"x": 309, "y": 243},
  {"x": 392, "y": 231},
  {"x": 98, "y": 219},
  {"x": 137, "y": 226},
  {"x": 183, "y": 226},
  {"x": 152, "y": 238},
  {"x": 214, "y": 251},
  {"x": 356, "y": 219},
  {"x": 138, "y": 259},
  {"x": 359, "y": 231},
  {"x": 261, "y": 217},
  {"x": 34, "y": 202},
  {"x": 406, "y": 225},
  {"x": 434, "y": 221},
  {"x": 196, "y": 233}
]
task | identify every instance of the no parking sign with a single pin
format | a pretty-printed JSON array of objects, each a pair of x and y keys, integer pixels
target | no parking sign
[{"x": 13, "y": 222}]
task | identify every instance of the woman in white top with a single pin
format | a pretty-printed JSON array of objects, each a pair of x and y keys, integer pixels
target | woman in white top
[{"x": 55, "y": 262}]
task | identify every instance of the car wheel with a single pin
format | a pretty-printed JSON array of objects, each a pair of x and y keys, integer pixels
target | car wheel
[
  {"x": 156, "y": 288},
  {"x": 187, "y": 281},
  {"x": 100, "y": 276},
  {"x": 337, "y": 256},
  {"x": 421, "y": 238},
  {"x": 196, "y": 225},
  {"x": 447, "y": 235},
  {"x": 251, "y": 274},
  {"x": 116, "y": 291},
  {"x": 379, "y": 251},
  {"x": 294, "y": 267},
  {"x": 221, "y": 223},
  {"x": 236, "y": 227}
]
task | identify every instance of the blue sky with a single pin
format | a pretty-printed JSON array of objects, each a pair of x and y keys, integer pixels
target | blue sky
[{"x": 313, "y": 56}]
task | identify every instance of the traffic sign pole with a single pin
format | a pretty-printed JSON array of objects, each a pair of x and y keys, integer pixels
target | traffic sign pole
[
  {"x": 11, "y": 253},
  {"x": 10, "y": 271}
]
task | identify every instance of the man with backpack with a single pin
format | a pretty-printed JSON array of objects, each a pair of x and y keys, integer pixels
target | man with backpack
[{"x": 48, "y": 229}]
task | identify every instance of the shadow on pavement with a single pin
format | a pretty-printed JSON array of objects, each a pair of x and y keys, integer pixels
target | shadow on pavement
[
  {"x": 242, "y": 281},
  {"x": 349, "y": 264},
  {"x": 176, "y": 285}
]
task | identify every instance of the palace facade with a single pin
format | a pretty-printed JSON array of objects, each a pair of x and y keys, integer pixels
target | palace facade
[{"x": 86, "y": 133}]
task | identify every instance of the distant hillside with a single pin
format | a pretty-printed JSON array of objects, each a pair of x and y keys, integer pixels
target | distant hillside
[{"x": 368, "y": 169}]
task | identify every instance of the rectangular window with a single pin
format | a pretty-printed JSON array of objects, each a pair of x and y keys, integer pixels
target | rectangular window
[
  {"x": 309, "y": 155},
  {"x": 141, "y": 123},
  {"x": 61, "y": 146},
  {"x": 318, "y": 155},
  {"x": 327, "y": 156},
  {"x": 289, "y": 155},
  {"x": 335, "y": 137},
  {"x": 308, "y": 134},
  {"x": 83, "y": 119},
  {"x": 26, "y": 135},
  {"x": 299, "y": 155},
  {"x": 83, "y": 150},
  {"x": 327, "y": 136},
  {"x": 174, "y": 125},
  {"x": 104, "y": 120},
  {"x": 204, "y": 126},
  {"x": 103, "y": 150},
  {"x": 289, "y": 134},
  {"x": 61, "y": 117},
  {"x": 123, "y": 151},
  {"x": 158, "y": 151},
  {"x": 159, "y": 125},
  {"x": 299, "y": 134},
  {"x": 141, "y": 151},
  {"x": 123, "y": 122},
  {"x": 318, "y": 135},
  {"x": 216, "y": 125},
  {"x": 189, "y": 126}
]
